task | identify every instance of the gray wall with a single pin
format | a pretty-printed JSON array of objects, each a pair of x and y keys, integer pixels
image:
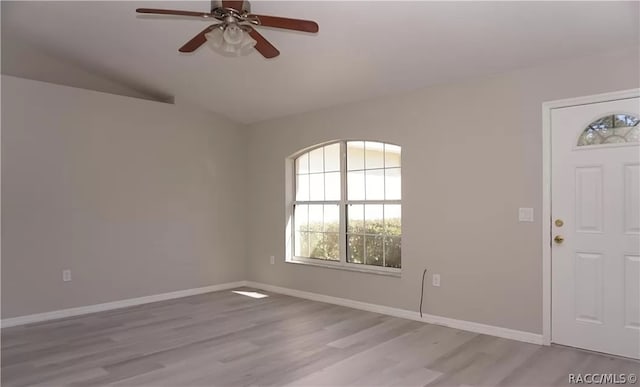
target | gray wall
[
  {"x": 472, "y": 155},
  {"x": 140, "y": 198},
  {"x": 135, "y": 197}
]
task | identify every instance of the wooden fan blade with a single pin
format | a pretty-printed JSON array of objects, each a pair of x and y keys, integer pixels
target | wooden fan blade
[
  {"x": 286, "y": 23},
  {"x": 263, "y": 46},
  {"x": 235, "y": 4},
  {"x": 196, "y": 41},
  {"x": 172, "y": 12}
]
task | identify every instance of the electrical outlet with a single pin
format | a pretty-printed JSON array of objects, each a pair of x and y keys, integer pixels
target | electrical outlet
[
  {"x": 66, "y": 275},
  {"x": 436, "y": 280},
  {"x": 272, "y": 260}
]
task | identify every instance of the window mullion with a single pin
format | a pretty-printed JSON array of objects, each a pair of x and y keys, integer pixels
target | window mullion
[
  {"x": 292, "y": 247},
  {"x": 343, "y": 200},
  {"x": 373, "y": 202},
  {"x": 300, "y": 202},
  {"x": 384, "y": 195}
]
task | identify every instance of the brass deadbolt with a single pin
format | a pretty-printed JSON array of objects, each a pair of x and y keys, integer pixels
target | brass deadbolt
[{"x": 559, "y": 223}]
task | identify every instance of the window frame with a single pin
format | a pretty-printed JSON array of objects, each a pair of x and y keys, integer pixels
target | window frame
[{"x": 343, "y": 203}]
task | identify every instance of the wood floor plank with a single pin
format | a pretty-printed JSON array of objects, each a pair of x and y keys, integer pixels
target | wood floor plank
[{"x": 227, "y": 339}]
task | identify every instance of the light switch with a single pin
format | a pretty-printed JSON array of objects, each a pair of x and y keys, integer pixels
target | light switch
[{"x": 525, "y": 214}]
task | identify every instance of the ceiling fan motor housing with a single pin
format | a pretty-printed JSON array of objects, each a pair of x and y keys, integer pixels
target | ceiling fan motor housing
[{"x": 244, "y": 6}]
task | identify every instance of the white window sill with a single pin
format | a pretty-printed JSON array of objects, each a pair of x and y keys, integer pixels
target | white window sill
[{"x": 386, "y": 271}]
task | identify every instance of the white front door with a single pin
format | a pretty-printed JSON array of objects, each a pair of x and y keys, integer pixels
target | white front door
[{"x": 595, "y": 209}]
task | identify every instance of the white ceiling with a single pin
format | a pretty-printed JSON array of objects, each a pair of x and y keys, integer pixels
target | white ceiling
[{"x": 363, "y": 49}]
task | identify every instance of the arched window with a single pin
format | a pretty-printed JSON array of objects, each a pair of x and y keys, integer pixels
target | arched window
[
  {"x": 346, "y": 205},
  {"x": 611, "y": 129}
]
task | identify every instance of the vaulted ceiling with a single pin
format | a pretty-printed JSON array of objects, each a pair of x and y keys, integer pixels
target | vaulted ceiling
[{"x": 363, "y": 50}]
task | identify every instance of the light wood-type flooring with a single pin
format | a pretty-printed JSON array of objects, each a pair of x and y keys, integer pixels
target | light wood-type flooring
[{"x": 228, "y": 339}]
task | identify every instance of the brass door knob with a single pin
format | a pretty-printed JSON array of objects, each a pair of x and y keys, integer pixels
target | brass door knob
[{"x": 558, "y": 239}]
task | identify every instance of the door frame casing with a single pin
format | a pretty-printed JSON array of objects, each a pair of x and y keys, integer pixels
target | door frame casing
[{"x": 547, "y": 108}]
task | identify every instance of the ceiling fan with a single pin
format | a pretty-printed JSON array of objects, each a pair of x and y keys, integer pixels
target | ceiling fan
[{"x": 234, "y": 32}]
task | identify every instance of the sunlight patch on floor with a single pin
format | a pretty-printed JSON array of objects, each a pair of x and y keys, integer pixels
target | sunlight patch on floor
[{"x": 249, "y": 294}]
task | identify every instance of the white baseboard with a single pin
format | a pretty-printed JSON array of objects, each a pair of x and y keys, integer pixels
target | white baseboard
[
  {"x": 56, "y": 314},
  {"x": 507, "y": 333},
  {"x": 491, "y": 330}
]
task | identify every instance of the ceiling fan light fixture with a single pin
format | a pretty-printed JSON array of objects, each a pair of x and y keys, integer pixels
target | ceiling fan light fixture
[
  {"x": 230, "y": 40},
  {"x": 215, "y": 38},
  {"x": 247, "y": 44},
  {"x": 233, "y": 34}
]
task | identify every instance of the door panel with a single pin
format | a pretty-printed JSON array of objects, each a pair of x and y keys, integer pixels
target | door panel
[
  {"x": 588, "y": 287},
  {"x": 595, "y": 284},
  {"x": 632, "y": 199},
  {"x": 589, "y": 199},
  {"x": 632, "y": 291}
]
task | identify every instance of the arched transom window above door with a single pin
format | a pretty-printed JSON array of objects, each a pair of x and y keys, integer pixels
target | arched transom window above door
[{"x": 611, "y": 129}]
